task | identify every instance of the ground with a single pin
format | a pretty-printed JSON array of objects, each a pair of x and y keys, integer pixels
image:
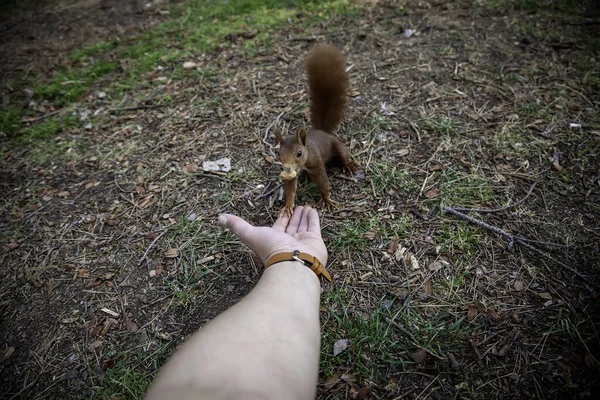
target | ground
[{"x": 111, "y": 255}]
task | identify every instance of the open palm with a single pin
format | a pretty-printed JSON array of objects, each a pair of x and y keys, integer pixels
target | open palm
[{"x": 300, "y": 232}]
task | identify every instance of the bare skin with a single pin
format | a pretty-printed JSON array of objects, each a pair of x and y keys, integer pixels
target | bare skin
[{"x": 267, "y": 345}]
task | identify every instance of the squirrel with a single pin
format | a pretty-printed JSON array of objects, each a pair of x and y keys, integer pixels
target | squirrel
[{"x": 312, "y": 151}]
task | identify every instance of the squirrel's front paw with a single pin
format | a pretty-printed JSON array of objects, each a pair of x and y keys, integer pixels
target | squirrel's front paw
[
  {"x": 329, "y": 204},
  {"x": 287, "y": 211},
  {"x": 351, "y": 167}
]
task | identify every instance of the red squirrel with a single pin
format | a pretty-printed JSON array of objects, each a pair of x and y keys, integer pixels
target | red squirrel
[{"x": 312, "y": 151}]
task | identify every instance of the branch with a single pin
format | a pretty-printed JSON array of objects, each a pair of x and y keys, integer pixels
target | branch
[
  {"x": 487, "y": 210},
  {"x": 513, "y": 239}
]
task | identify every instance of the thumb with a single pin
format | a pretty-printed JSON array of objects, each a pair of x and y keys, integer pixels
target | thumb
[{"x": 238, "y": 226}]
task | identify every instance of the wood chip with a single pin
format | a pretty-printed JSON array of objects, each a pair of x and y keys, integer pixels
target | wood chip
[{"x": 110, "y": 312}]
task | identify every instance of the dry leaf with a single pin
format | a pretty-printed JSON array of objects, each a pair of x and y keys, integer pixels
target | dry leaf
[
  {"x": 433, "y": 192},
  {"x": 545, "y": 296},
  {"x": 172, "y": 253},
  {"x": 131, "y": 326},
  {"x": 64, "y": 194},
  {"x": 340, "y": 346},
  {"x": 7, "y": 353},
  {"x": 472, "y": 314},
  {"x": 83, "y": 273},
  {"x": 403, "y": 152},
  {"x": 393, "y": 245},
  {"x": 437, "y": 265},
  {"x": 269, "y": 159},
  {"x": 361, "y": 393},
  {"x": 414, "y": 263},
  {"x": 419, "y": 355},
  {"x": 159, "y": 270},
  {"x": 190, "y": 168},
  {"x": 11, "y": 246},
  {"x": 519, "y": 286},
  {"x": 332, "y": 381},
  {"x": 95, "y": 344},
  {"x": 428, "y": 288},
  {"x": 436, "y": 167}
]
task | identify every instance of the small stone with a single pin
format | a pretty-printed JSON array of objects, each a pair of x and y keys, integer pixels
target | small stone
[
  {"x": 88, "y": 126},
  {"x": 152, "y": 273},
  {"x": 189, "y": 65},
  {"x": 101, "y": 95},
  {"x": 28, "y": 92}
]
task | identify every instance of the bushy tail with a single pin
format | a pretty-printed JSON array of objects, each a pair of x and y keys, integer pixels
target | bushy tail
[{"x": 328, "y": 84}]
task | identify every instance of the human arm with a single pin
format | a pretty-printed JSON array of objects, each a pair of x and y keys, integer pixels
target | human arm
[{"x": 267, "y": 345}]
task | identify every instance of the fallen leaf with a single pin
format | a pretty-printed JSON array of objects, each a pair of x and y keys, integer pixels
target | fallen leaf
[
  {"x": 131, "y": 326},
  {"x": 11, "y": 246},
  {"x": 472, "y": 314},
  {"x": 7, "y": 353},
  {"x": 403, "y": 152},
  {"x": 545, "y": 296},
  {"x": 332, "y": 381},
  {"x": 428, "y": 289},
  {"x": 393, "y": 245},
  {"x": 172, "y": 253},
  {"x": 436, "y": 167},
  {"x": 64, "y": 194},
  {"x": 437, "y": 265},
  {"x": 109, "y": 276},
  {"x": 519, "y": 286},
  {"x": 453, "y": 362},
  {"x": 349, "y": 378},
  {"x": 221, "y": 165},
  {"x": 361, "y": 393},
  {"x": 340, "y": 346},
  {"x": 159, "y": 270},
  {"x": 433, "y": 192},
  {"x": 83, "y": 273},
  {"x": 190, "y": 168},
  {"x": 269, "y": 159},
  {"x": 95, "y": 344},
  {"x": 414, "y": 263},
  {"x": 419, "y": 355}
]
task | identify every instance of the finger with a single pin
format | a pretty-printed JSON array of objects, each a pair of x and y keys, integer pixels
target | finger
[
  {"x": 281, "y": 223},
  {"x": 239, "y": 227},
  {"x": 295, "y": 221},
  {"x": 304, "y": 220},
  {"x": 314, "y": 225}
]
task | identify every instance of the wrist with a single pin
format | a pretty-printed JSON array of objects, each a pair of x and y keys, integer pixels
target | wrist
[{"x": 292, "y": 272}]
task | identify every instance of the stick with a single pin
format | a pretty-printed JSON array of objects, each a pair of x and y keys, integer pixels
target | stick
[
  {"x": 269, "y": 192},
  {"x": 140, "y": 107},
  {"x": 487, "y": 210},
  {"x": 514, "y": 239},
  {"x": 41, "y": 118},
  {"x": 152, "y": 244}
]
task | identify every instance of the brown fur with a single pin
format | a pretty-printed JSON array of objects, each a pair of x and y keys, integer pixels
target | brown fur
[
  {"x": 328, "y": 84},
  {"x": 314, "y": 150}
]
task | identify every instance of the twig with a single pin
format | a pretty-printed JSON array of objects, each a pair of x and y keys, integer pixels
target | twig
[
  {"x": 269, "y": 192},
  {"x": 412, "y": 125},
  {"x": 264, "y": 139},
  {"x": 151, "y": 245},
  {"x": 401, "y": 328},
  {"x": 487, "y": 210},
  {"x": 140, "y": 107},
  {"x": 41, "y": 118},
  {"x": 514, "y": 239}
]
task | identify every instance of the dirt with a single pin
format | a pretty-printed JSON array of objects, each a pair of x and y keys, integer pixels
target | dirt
[
  {"x": 88, "y": 283},
  {"x": 39, "y": 35}
]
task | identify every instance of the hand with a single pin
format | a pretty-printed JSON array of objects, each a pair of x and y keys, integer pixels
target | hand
[{"x": 300, "y": 232}]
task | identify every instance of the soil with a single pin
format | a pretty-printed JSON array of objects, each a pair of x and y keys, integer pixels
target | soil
[{"x": 89, "y": 276}]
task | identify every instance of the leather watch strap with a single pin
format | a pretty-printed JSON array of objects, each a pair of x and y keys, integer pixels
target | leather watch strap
[{"x": 310, "y": 261}]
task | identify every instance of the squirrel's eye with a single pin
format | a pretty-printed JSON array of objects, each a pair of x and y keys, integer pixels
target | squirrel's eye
[{"x": 299, "y": 153}]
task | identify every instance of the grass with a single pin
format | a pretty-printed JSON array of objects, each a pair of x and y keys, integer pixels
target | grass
[
  {"x": 197, "y": 26},
  {"x": 356, "y": 235},
  {"x": 386, "y": 177},
  {"x": 133, "y": 372},
  {"x": 459, "y": 237},
  {"x": 441, "y": 126},
  {"x": 462, "y": 189}
]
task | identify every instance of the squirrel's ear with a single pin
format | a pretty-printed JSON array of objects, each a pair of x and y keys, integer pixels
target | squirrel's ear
[
  {"x": 278, "y": 134},
  {"x": 301, "y": 136}
]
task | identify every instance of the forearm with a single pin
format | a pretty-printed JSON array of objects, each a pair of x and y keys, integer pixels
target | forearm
[{"x": 264, "y": 347}]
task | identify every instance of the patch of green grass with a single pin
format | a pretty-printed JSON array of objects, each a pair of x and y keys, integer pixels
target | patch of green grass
[
  {"x": 461, "y": 189},
  {"x": 441, "y": 126},
  {"x": 55, "y": 150},
  {"x": 401, "y": 227},
  {"x": 459, "y": 237},
  {"x": 386, "y": 177},
  {"x": 373, "y": 344},
  {"x": 133, "y": 373},
  {"x": 67, "y": 86},
  {"x": 531, "y": 109},
  {"x": 48, "y": 128},
  {"x": 383, "y": 123},
  {"x": 357, "y": 234},
  {"x": 10, "y": 120}
]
